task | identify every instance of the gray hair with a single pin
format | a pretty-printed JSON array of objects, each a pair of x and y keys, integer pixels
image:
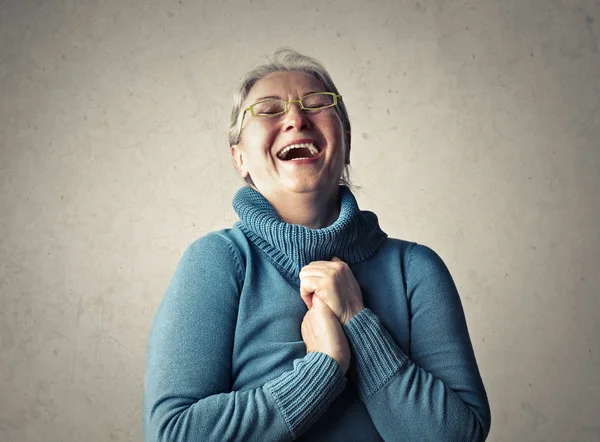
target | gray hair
[{"x": 285, "y": 60}]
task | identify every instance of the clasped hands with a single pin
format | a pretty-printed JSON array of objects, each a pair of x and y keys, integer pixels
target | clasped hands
[{"x": 333, "y": 297}]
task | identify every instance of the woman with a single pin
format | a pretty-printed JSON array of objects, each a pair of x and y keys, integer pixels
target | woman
[{"x": 304, "y": 320}]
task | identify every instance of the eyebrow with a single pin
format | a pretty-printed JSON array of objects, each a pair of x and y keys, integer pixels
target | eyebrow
[
  {"x": 268, "y": 97},
  {"x": 275, "y": 97}
]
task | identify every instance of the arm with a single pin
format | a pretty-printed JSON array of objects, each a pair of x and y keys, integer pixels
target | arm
[
  {"x": 188, "y": 393},
  {"x": 437, "y": 394}
]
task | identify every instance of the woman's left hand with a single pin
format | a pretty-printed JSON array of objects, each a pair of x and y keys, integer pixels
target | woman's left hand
[{"x": 333, "y": 282}]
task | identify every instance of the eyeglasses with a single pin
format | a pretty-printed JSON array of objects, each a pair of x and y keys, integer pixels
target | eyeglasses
[{"x": 309, "y": 103}]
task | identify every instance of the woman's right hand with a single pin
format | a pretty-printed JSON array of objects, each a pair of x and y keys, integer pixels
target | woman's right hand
[{"x": 322, "y": 332}]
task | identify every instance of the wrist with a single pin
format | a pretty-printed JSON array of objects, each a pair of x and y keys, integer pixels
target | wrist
[{"x": 351, "y": 313}]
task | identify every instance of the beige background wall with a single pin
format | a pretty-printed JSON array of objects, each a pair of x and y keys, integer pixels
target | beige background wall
[{"x": 476, "y": 128}]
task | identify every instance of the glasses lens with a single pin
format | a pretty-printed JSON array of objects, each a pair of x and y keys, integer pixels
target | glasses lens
[
  {"x": 318, "y": 101},
  {"x": 269, "y": 107}
]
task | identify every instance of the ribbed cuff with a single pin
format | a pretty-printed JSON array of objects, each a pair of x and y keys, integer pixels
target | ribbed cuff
[
  {"x": 304, "y": 393},
  {"x": 376, "y": 356}
]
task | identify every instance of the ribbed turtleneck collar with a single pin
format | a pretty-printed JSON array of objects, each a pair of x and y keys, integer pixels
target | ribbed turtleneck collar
[{"x": 353, "y": 237}]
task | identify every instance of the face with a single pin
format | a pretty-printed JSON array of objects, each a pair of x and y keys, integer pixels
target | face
[{"x": 262, "y": 139}]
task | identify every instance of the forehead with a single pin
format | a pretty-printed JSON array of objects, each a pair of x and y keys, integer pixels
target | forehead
[{"x": 286, "y": 85}]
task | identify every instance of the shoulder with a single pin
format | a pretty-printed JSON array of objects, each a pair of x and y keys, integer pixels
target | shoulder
[
  {"x": 426, "y": 273},
  {"x": 218, "y": 241},
  {"x": 398, "y": 245},
  {"x": 418, "y": 260},
  {"x": 398, "y": 249},
  {"x": 423, "y": 258},
  {"x": 414, "y": 253},
  {"x": 218, "y": 249}
]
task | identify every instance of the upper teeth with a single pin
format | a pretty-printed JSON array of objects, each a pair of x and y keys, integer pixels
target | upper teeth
[{"x": 310, "y": 146}]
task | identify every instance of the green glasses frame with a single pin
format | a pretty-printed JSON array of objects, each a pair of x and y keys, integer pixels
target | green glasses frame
[{"x": 250, "y": 108}]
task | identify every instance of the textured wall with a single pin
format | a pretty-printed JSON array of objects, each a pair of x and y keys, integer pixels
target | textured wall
[{"x": 476, "y": 132}]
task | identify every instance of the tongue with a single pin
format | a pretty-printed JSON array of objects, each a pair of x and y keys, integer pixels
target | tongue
[{"x": 301, "y": 152}]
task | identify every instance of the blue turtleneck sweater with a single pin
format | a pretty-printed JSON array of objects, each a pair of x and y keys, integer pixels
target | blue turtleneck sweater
[{"x": 226, "y": 359}]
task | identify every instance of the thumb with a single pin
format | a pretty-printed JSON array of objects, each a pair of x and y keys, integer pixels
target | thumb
[
  {"x": 336, "y": 259},
  {"x": 318, "y": 303}
]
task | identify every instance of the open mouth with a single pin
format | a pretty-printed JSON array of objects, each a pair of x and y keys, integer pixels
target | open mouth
[{"x": 298, "y": 151}]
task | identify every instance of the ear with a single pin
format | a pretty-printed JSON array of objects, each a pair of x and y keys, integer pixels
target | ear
[{"x": 237, "y": 155}]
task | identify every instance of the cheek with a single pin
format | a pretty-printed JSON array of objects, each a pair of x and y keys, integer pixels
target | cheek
[
  {"x": 341, "y": 148},
  {"x": 335, "y": 127},
  {"x": 258, "y": 142},
  {"x": 337, "y": 133}
]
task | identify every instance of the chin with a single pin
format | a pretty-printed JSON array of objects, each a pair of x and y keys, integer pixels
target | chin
[{"x": 308, "y": 186}]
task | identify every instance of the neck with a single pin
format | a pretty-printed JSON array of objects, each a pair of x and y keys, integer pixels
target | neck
[
  {"x": 314, "y": 210},
  {"x": 353, "y": 236}
]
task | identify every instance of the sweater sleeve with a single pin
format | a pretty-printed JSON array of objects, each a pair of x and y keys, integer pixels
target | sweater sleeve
[
  {"x": 188, "y": 381},
  {"x": 436, "y": 393}
]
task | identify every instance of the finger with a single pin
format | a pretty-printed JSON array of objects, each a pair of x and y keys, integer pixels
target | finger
[
  {"x": 317, "y": 264},
  {"x": 317, "y": 286},
  {"x": 307, "y": 290},
  {"x": 310, "y": 283},
  {"x": 307, "y": 297},
  {"x": 322, "y": 262},
  {"x": 314, "y": 271},
  {"x": 337, "y": 263}
]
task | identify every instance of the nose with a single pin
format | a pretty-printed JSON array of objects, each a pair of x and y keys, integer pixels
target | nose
[{"x": 296, "y": 118}]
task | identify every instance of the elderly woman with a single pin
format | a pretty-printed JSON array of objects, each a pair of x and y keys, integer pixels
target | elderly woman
[{"x": 304, "y": 320}]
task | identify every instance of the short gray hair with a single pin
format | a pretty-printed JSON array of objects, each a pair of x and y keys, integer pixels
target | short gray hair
[{"x": 285, "y": 60}]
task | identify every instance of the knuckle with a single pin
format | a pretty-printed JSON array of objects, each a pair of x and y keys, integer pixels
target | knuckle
[{"x": 339, "y": 267}]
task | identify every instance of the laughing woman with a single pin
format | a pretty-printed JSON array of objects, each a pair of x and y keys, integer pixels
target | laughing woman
[{"x": 304, "y": 320}]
